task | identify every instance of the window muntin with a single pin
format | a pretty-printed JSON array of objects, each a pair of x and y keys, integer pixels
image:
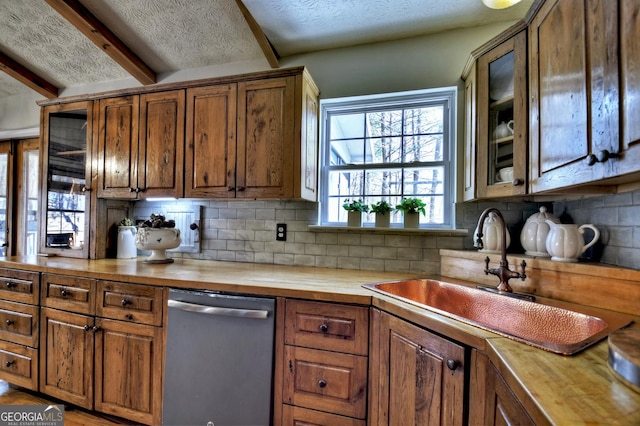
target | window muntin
[{"x": 389, "y": 148}]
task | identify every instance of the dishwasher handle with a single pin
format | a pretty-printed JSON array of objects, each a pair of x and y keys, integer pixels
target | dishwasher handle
[{"x": 216, "y": 310}]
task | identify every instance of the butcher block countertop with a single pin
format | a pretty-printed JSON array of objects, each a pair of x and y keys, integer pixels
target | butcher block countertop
[{"x": 554, "y": 389}]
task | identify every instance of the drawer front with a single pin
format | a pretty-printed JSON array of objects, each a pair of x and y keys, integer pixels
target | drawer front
[
  {"x": 19, "y": 365},
  {"x": 19, "y": 286},
  {"x": 130, "y": 302},
  {"x": 326, "y": 381},
  {"x": 19, "y": 323},
  {"x": 298, "y": 416},
  {"x": 334, "y": 327},
  {"x": 73, "y": 294}
]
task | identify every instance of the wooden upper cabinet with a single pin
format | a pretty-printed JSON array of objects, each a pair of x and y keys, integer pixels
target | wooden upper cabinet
[
  {"x": 630, "y": 86},
  {"x": 211, "y": 141},
  {"x": 141, "y": 146},
  {"x": 254, "y": 139},
  {"x": 502, "y": 119},
  {"x": 470, "y": 145},
  {"x": 117, "y": 150},
  {"x": 161, "y": 145},
  {"x": 265, "y": 142},
  {"x": 574, "y": 92}
]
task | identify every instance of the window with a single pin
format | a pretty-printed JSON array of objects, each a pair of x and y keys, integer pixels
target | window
[{"x": 389, "y": 147}]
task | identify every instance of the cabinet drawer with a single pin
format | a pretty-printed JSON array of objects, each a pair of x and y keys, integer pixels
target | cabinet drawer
[
  {"x": 19, "y": 365},
  {"x": 19, "y": 286},
  {"x": 341, "y": 328},
  {"x": 326, "y": 381},
  {"x": 69, "y": 293},
  {"x": 129, "y": 302},
  {"x": 19, "y": 323},
  {"x": 298, "y": 416}
]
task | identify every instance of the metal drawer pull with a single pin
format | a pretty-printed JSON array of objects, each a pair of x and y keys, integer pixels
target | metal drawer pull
[
  {"x": 87, "y": 327},
  {"x": 214, "y": 310},
  {"x": 64, "y": 293},
  {"x": 125, "y": 302},
  {"x": 322, "y": 383},
  {"x": 9, "y": 363},
  {"x": 9, "y": 322},
  {"x": 10, "y": 284},
  {"x": 324, "y": 327},
  {"x": 452, "y": 364}
]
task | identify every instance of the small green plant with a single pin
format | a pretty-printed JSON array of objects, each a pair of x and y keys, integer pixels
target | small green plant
[
  {"x": 355, "y": 206},
  {"x": 126, "y": 222},
  {"x": 381, "y": 207},
  {"x": 412, "y": 205}
]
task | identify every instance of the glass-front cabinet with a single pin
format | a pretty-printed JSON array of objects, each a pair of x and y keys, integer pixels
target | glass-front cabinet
[
  {"x": 65, "y": 206},
  {"x": 502, "y": 119}
]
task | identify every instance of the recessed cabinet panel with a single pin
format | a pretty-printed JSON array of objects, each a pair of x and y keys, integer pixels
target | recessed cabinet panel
[
  {"x": 211, "y": 141},
  {"x": 266, "y": 138}
]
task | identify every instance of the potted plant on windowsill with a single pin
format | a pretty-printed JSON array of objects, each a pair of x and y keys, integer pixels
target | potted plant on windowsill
[
  {"x": 412, "y": 207},
  {"x": 383, "y": 210},
  {"x": 354, "y": 210}
]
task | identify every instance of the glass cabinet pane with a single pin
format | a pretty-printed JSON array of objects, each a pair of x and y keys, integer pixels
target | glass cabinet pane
[{"x": 501, "y": 120}]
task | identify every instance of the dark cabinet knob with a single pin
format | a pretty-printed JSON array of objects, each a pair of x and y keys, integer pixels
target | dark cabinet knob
[
  {"x": 9, "y": 284},
  {"x": 125, "y": 302},
  {"x": 96, "y": 328},
  {"x": 132, "y": 189},
  {"x": 64, "y": 293},
  {"x": 324, "y": 327},
  {"x": 591, "y": 160},
  {"x": 241, "y": 188},
  {"x": 9, "y": 363},
  {"x": 452, "y": 364},
  {"x": 193, "y": 226},
  {"x": 322, "y": 383},
  {"x": 231, "y": 188},
  {"x": 87, "y": 327},
  {"x": 9, "y": 322},
  {"x": 600, "y": 157},
  {"x": 129, "y": 317},
  {"x": 518, "y": 182}
]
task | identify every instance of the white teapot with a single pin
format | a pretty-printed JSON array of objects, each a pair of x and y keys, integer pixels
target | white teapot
[
  {"x": 492, "y": 235},
  {"x": 534, "y": 233},
  {"x": 565, "y": 242}
]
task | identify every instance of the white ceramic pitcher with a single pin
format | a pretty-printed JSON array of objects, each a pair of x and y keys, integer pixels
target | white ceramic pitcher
[{"x": 565, "y": 242}]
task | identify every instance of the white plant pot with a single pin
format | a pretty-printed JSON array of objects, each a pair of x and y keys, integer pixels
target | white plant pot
[
  {"x": 354, "y": 219},
  {"x": 412, "y": 220},
  {"x": 383, "y": 220}
]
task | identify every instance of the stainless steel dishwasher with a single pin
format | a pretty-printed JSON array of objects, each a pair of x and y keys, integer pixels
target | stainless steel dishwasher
[{"x": 219, "y": 359}]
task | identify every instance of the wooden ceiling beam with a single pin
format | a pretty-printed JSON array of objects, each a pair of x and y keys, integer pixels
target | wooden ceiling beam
[
  {"x": 27, "y": 77},
  {"x": 81, "y": 18},
  {"x": 261, "y": 38}
]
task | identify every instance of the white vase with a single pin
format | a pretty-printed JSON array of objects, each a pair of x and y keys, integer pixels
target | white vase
[
  {"x": 354, "y": 218},
  {"x": 383, "y": 220},
  {"x": 412, "y": 220},
  {"x": 126, "y": 242}
]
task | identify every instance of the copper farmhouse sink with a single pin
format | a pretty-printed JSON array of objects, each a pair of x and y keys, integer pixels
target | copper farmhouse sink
[{"x": 543, "y": 326}]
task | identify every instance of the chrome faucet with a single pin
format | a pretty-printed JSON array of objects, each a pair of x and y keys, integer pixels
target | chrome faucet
[{"x": 503, "y": 272}]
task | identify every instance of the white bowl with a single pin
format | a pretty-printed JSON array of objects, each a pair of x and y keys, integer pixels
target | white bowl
[
  {"x": 158, "y": 240},
  {"x": 505, "y": 174}
]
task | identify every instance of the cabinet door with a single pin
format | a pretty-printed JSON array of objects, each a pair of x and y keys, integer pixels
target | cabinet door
[
  {"x": 470, "y": 144},
  {"x": 630, "y": 85},
  {"x": 574, "y": 92},
  {"x": 161, "y": 145},
  {"x": 211, "y": 142},
  {"x": 502, "y": 119},
  {"x": 129, "y": 370},
  {"x": 502, "y": 406},
  {"x": 298, "y": 416},
  {"x": 66, "y": 356},
  {"x": 117, "y": 151},
  {"x": 417, "y": 377},
  {"x": 266, "y": 145}
]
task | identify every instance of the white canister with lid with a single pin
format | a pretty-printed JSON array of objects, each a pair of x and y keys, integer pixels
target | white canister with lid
[
  {"x": 534, "y": 233},
  {"x": 126, "y": 242},
  {"x": 492, "y": 235}
]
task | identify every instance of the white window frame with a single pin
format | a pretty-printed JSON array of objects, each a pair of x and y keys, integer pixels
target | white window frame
[{"x": 446, "y": 96}]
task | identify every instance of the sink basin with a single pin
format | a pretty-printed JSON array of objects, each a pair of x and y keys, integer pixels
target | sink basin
[{"x": 543, "y": 326}]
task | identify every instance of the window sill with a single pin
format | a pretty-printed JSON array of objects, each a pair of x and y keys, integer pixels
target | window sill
[{"x": 390, "y": 230}]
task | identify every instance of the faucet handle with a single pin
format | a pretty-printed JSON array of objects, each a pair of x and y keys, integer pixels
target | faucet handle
[
  {"x": 523, "y": 264},
  {"x": 486, "y": 265}
]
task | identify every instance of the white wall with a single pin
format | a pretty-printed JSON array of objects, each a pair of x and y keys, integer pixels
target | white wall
[{"x": 19, "y": 112}]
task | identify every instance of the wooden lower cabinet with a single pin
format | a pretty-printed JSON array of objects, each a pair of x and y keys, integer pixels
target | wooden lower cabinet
[
  {"x": 416, "y": 377},
  {"x": 113, "y": 364}
]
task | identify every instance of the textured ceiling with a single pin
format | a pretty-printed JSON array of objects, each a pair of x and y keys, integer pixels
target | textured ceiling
[{"x": 172, "y": 35}]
